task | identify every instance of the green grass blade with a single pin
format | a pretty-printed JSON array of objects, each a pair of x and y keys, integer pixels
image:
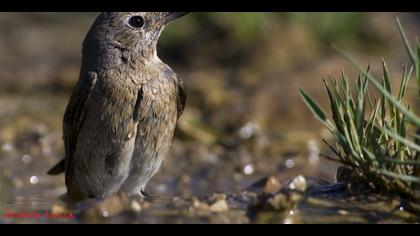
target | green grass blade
[
  {"x": 369, "y": 131},
  {"x": 388, "y": 87},
  {"x": 361, "y": 106},
  {"x": 407, "y": 178},
  {"x": 372, "y": 157},
  {"x": 418, "y": 68},
  {"x": 410, "y": 116},
  {"x": 401, "y": 139},
  {"x": 383, "y": 106},
  {"x": 410, "y": 51},
  {"x": 387, "y": 78},
  {"x": 317, "y": 111},
  {"x": 333, "y": 105},
  {"x": 404, "y": 82}
]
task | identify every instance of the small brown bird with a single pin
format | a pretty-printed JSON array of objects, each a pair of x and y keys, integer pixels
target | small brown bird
[{"x": 122, "y": 114}]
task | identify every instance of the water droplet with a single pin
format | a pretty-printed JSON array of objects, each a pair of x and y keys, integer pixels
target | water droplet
[
  {"x": 249, "y": 130},
  {"x": 290, "y": 163},
  {"x": 249, "y": 169},
  {"x": 105, "y": 213},
  {"x": 26, "y": 159},
  {"x": 34, "y": 180}
]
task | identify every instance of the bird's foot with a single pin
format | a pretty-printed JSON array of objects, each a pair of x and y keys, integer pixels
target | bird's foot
[{"x": 147, "y": 197}]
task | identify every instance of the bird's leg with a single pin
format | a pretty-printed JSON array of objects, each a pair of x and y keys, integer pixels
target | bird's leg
[{"x": 145, "y": 196}]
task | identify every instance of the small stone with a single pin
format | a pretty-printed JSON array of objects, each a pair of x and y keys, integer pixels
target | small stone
[
  {"x": 272, "y": 185},
  {"x": 343, "y": 212},
  {"x": 109, "y": 207},
  {"x": 219, "y": 206},
  {"x": 290, "y": 163},
  {"x": 200, "y": 205},
  {"x": 135, "y": 206},
  {"x": 278, "y": 202},
  {"x": 249, "y": 169},
  {"x": 249, "y": 130},
  {"x": 217, "y": 197},
  {"x": 299, "y": 184},
  {"x": 344, "y": 174},
  {"x": 58, "y": 209},
  {"x": 34, "y": 180},
  {"x": 283, "y": 201}
]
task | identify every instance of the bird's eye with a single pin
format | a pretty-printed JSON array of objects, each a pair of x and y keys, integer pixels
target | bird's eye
[{"x": 136, "y": 22}]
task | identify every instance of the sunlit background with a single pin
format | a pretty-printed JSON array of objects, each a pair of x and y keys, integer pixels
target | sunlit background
[{"x": 244, "y": 118}]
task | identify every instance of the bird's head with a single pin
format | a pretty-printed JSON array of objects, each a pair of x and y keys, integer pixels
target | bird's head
[{"x": 136, "y": 32}]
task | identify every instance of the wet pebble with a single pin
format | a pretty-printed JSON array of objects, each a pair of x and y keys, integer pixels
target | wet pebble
[
  {"x": 109, "y": 207},
  {"x": 249, "y": 169},
  {"x": 34, "y": 180},
  {"x": 343, "y": 212},
  {"x": 135, "y": 206},
  {"x": 344, "y": 174},
  {"x": 277, "y": 202},
  {"x": 299, "y": 184},
  {"x": 272, "y": 185},
  {"x": 249, "y": 130},
  {"x": 289, "y": 163},
  {"x": 219, "y": 206},
  {"x": 197, "y": 204},
  {"x": 58, "y": 209}
]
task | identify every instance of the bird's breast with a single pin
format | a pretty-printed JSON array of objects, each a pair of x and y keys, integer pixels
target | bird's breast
[{"x": 158, "y": 120}]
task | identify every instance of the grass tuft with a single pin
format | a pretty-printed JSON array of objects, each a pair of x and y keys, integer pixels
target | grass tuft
[{"x": 374, "y": 135}]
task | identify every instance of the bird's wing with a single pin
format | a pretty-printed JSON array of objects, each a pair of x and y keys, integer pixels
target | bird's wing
[
  {"x": 73, "y": 119},
  {"x": 181, "y": 98}
]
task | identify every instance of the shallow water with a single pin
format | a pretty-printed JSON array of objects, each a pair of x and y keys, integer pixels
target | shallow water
[
  {"x": 244, "y": 124},
  {"x": 192, "y": 172},
  {"x": 31, "y": 143}
]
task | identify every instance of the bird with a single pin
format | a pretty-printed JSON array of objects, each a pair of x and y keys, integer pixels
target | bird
[{"x": 121, "y": 117}]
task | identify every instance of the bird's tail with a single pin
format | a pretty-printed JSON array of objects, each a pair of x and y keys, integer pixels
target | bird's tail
[{"x": 57, "y": 169}]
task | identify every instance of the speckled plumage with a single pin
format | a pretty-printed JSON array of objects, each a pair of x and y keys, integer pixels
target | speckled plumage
[{"x": 122, "y": 114}]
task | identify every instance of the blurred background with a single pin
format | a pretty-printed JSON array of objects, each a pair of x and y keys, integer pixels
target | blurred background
[{"x": 244, "y": 118}]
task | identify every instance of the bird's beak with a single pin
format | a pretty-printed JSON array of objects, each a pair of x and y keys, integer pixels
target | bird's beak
[{"x": 170, "y": 16}]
